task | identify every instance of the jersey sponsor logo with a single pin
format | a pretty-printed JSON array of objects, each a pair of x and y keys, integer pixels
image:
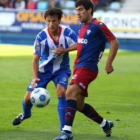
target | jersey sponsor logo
[
  {"x": 82, "y": 41},
  {"x": 82, "y": 85},
  {"x": 56, "y": 55}
]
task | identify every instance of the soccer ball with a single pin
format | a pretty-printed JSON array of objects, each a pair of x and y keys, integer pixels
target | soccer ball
[{"x": 40, "y": 97}]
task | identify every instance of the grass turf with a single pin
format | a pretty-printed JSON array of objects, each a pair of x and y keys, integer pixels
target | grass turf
[{"x": 114, "y": 96}]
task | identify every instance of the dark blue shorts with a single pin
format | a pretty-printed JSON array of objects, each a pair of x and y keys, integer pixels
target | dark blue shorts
[{"x": 61, "y": 78}]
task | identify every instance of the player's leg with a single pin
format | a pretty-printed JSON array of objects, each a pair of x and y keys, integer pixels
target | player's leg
[
  {"x": 76, "y": 93},
  {"x": 71, "y": 94},
  {"x": 88, "y": 110},
  {"x": 61, "y": 82},
  {"x": 26, "y": 105},
  {"x": 91, "y": 113},
  {"x": 61, "y": 104}
]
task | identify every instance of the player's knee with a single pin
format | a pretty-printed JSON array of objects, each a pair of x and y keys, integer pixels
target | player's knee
[
  {"x": 73, "y": 92},
  {"x": 61, "y": 92},
  {"x": 70, "y": 94},
  {"x": 27, "y": 98}
]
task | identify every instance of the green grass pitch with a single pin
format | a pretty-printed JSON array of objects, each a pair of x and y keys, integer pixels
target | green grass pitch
[{"x": 115, "y": 96}]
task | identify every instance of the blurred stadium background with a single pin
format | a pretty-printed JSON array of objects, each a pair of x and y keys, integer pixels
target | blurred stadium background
[{"x": 21, "y": 20}]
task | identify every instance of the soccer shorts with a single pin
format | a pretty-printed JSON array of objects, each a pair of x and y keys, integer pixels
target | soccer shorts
[
  {"x": 83, "y": 76},
  {"x": 61, "y": 78}
]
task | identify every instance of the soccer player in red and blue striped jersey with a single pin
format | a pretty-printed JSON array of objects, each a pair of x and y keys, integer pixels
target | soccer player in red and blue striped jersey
[{"x": 92, "y": 39}]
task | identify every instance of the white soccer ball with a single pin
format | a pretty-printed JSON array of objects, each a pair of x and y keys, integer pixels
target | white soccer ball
[{"x": 40, "y": 97}]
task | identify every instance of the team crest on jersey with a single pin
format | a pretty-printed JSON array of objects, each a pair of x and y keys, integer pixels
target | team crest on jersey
[
  {"x": 88, "y": 31},
  {"x": 64, "y": 79},
  {"x": 100, "y": 24}
]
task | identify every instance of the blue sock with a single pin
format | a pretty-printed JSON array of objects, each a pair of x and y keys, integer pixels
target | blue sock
[
  {"x": 61, "y": 110},
  {"x": 26, "y": 109}
]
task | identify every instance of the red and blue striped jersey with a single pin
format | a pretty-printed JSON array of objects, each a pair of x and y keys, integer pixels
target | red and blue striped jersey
[{"x": 92, "y": 40}]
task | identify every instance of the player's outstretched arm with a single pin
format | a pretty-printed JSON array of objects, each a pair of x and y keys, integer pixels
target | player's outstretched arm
[{"x": 112, "y": 53}]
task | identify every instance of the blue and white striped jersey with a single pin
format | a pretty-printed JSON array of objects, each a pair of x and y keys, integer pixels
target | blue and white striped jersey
[{"x": 45, "y": 47}]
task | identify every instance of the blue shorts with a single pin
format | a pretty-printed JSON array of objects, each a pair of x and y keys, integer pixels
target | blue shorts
[{"x": 61, "y": 78}]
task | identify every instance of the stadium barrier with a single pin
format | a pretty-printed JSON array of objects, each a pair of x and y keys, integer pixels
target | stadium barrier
[{"x": 21, "y": 27}]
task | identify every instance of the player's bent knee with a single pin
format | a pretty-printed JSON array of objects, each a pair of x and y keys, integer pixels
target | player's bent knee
[
  {"x": 73, "y": 92},
  {"x": 71, "y": 95},
  {"x": 27, "y": 98},
  {"x": 61, "y": 92}
]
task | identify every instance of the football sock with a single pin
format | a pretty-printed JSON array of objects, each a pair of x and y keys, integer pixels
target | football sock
[
  {"x": 26, "y": 109},
  {"x": 61, "y": 110},
  {"x": 70, "y": 114},
  {"x": 91, "y": 113},
  {"x": 104, "y": 123}
]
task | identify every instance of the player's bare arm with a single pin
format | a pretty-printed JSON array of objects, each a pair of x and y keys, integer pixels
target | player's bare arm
[
  {"x": 61, "y": 50},
  {"x": 35, "y": 67},
  {"x": 113, "y": 51}
]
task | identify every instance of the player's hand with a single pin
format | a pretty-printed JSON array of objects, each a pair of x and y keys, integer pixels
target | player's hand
[
  {"x": 109, "y": 69},
  {"x": 33, "y": 84},
  {"x": 60, "y": 50}
]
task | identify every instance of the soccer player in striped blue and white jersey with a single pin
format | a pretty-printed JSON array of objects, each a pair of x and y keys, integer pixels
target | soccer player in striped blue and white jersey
[{"x": 48, "y": 64}]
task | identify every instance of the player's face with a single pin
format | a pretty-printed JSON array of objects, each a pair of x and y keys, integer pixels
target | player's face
[
  {"x": 83, "y": 15},
  {"x": 52, "y": 23}
]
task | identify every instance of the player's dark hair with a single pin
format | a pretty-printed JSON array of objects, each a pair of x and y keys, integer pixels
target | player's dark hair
[
  {"x": 54, "y": 12},
  {"x": 87, "y": 4}
]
